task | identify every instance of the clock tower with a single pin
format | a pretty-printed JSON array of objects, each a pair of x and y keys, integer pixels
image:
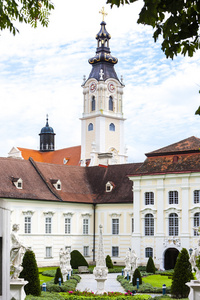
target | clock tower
[{"x": 102, "y": 122}]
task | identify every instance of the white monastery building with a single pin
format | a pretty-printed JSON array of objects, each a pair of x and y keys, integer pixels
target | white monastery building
[{"x": 60, "y": 197}]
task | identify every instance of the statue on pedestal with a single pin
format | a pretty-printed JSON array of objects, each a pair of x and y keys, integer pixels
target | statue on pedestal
[
  {"x": 195, "y": 260},
  {"x": 16, "y": 253},
  {"x": 100, "y": 271},
  {"x": 133, "y": 261},
  {"x": 65, "y": 266},
  {"x": 130, "y": 263}
]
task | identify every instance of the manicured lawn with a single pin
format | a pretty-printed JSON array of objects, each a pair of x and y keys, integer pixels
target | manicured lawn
[
  {"x": 157, "y": 280},
  {"x": 45, "y": 278}
]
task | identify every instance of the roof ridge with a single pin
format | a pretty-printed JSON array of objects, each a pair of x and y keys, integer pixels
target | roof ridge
[{"x": 43, "y": 178}]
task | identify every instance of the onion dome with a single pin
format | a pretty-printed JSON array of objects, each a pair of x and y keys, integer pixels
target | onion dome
[
  {"x": 103, "y": 62},
  {"x": 47, "y": 138}
]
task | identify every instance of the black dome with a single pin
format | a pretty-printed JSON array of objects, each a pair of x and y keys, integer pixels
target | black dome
[{"x": 47, "y": 128}]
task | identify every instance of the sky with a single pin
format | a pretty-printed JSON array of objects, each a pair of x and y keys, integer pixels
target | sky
[{"x": 41, "y": 72}]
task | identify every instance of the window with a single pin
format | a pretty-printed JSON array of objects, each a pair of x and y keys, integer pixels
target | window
[
  {"x": 85, "y": 250},
  {"x": 149, "y": 198},
  {"x": 173, "y": 224},
  {"x": 115, "y": 226},
  {"x": 149, "y": 224},
  {"x": 112, "y": 127},
  {"x": 48, "y": 252},
  {"x": 27, "y": 225},
  {"x": 196, "y": 223},
  {"x": 115, "y": 251},
  {"x": 18, "y": 182},
  {"x": 67, "y": 225},
  {"x": 109, "y": 186},
  {"x": 90, "y": 127},
  {"x": 148, "y": 252},
  {"x": 173, "y": 197},
  {"x": 93, "y": 103},
  {"x": 110, "y": 103},
  {"x": 48, "y": 225},
  {"x": 85, "y": 226},
  {"x": 196, "y": 196},
  {"x": 132, "y": 225}
]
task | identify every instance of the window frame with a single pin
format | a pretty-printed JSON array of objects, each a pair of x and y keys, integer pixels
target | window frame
[
  {"x": 149, "y": 198},
  {"x": 90, "y": 127},
  {"x": 112, "y": 127},
  {"x": 110, "y": 103},
  {"x": 115, "y": 226},
  {"x": 196, "y": 197},
  {"x": 93, "y": 104},
  {"x": 115, "y": 251},
  {"x": 148, "y": 252},
  {"x": 48, "y": 252},
  {"x": 27, "y": 224},
  {"x": 149, "y": 225},
  {"x": 173, "y": 225},
  {"x": 85, "y": 226},
  {"x": 196, "y": 222},
  {"x": 173, "y": 197},
  {"x": 48, "y": 225},
  {"x": 86, "y": 252},
  {"x": 67, "y": 225}
]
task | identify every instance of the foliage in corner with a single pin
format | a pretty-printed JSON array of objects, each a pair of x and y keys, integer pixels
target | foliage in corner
[
  {"x": 31, "y": 274},
  {"x": 177, "y": 22},
  {"x": 29, "y": 12},
  {"x": 182, "y": 274},
  {"x": 77, "y": 260}
]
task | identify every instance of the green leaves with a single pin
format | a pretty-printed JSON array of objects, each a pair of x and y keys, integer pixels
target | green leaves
[
  {"x": 31, "y": 12},
  {"x": 175, "y": 21}
]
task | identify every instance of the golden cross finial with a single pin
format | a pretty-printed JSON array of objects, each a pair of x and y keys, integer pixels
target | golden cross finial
[{"x": 103, "y": 13}]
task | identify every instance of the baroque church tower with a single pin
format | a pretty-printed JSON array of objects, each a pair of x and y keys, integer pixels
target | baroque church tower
[{"x": 102, "y": 122}]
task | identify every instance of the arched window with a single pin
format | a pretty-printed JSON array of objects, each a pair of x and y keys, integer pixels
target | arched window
[
  {"x": 90, "y": 127},
  {"x": 112, "y": 127},
  {"x": 148, "y": 252},
  {"x": 93, "y": 103},
  {"x": 110, "y": 103},
  {"x": 149, "y": 198},
  {"x": 173, "y": 224},
  {"x": 173, "y": 197},
  {"x": 149, "y": 224},
  {"x": 196, "y": 222}
]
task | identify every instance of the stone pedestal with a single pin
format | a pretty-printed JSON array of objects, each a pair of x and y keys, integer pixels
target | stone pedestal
[
  {"x": 65, "y": 274},
  {"x": 100, "y": 285},
  {"x": 194, "y": 286},
  {"x": 126, "y": 272},
  {"x": 17, "y": 289}
]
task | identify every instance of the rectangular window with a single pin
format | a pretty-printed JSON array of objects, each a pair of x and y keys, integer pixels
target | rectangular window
[
  {"x": 48, "y": 225},
  {"x": 115, "y": 226},
  {"x": 132, "y": 225},
  {"x": 115, "y": 251},
  {"x": 67, "y": 225},
  {"x": 48, "y": 252},
  {"x": 148, "y": 252},
  {"x": 149, "y": 198},
  {"x": 85, "y": 250},
  {"x": 85, "y": 226},
  {"x": 173, "y": 197},
  {"x": 196, "y": 196},
  {"x": 27, "y": 225}
]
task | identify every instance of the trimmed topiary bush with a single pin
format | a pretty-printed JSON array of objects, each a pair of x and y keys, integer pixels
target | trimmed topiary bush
[
  {"x": 31, "y": 274},
  {"x": 109, "y": 263},
  {"x": 150, "y": 268},
  {"x": 58, "y": 275},
  {"x": 182, "y": 274},
  {"x": 77, "y": 260},
  {"x": 136, "y": 275}
]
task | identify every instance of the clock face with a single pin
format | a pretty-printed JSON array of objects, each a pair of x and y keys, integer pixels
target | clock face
[
  {"x": 93, "y": 87},
  {"x": 111, "y": 87}
]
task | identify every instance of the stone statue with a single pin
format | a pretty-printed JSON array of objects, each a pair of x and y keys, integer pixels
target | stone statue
[
  {"x": 16, "y": 253},
  {"x": 133, "y": 260},
  {"x": 128, "y": 260},
  {"x": 65, "y": 266},
  {"x": 193, "y": 257}
]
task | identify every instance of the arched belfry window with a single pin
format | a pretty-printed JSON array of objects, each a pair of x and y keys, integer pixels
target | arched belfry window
[
  {"x": 90, "y": 127},
  {"x": 93, "y": 103},
  {"x": 112, "y": 127},
  {"x": 111, "y": 103}
]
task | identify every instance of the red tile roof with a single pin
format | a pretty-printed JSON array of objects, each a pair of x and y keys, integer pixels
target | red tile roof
[{"x": 71, "y": 155}]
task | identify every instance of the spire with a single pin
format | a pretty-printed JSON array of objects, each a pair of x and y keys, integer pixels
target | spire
[{"x": 103, "y": 62}]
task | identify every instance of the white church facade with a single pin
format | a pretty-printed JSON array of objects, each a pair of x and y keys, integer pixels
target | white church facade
[{"x": 151, "y": 207}]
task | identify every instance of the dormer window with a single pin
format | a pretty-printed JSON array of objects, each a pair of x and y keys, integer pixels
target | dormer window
[
  {"x": 109, "y": 186},
  {"x": 18, "y": 182},
  {"x": 56, "y": 183}
]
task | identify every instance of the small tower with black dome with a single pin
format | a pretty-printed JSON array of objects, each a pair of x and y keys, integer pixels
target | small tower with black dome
[
  {"x": 102, "y": 122},
  {"x": 47, "y": 138}
]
